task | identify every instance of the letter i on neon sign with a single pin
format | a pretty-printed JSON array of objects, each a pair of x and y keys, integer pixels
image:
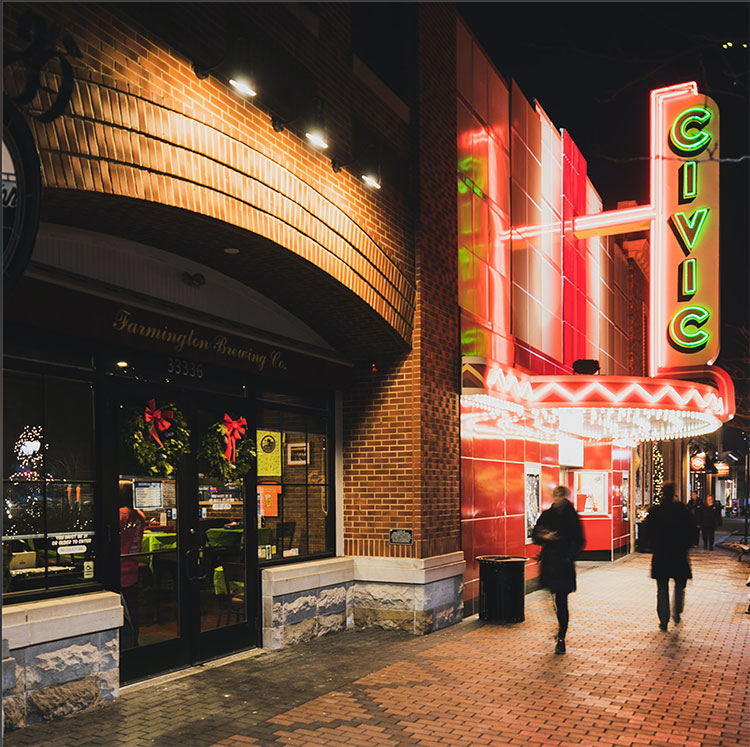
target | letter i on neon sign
[
  {"x": 689, "y": 273},
  {"x": 688, "y": 181}
]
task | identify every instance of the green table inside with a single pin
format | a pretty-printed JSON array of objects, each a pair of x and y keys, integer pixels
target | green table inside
[
  {"x": 157, "y": 542},
  {"x": 221, "y": 537}
]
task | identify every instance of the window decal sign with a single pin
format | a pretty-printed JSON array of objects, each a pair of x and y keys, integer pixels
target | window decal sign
[{"x": 684, "y": 294}]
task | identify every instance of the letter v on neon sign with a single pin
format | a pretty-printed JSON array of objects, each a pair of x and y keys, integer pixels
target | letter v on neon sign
[{"x": 687, "y": 229}]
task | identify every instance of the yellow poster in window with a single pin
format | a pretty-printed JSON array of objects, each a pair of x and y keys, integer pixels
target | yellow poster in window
[{"x": 269, "y": 453}]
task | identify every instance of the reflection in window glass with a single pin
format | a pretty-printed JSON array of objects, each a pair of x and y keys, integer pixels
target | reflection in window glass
[{"x": 48, "y": 488}]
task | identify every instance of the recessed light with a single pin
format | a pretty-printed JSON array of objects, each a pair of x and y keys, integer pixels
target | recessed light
[
  {"x": 243, "y": 87},
  {"x": 231, "y": 250},
  {"x": 317, "y": 138},
  {"x": 122, "y": 364}
]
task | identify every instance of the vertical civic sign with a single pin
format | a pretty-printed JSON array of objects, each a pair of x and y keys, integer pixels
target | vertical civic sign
[{"x": 684, "y": 292}]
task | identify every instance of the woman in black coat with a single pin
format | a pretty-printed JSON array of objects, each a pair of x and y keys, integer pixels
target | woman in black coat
[{"x": 560, "y": 533}]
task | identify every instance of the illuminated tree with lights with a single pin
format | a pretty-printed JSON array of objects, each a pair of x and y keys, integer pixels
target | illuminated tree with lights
[
  {"x": 658, "y": 471},
  {"x": 29, "y": 450}
]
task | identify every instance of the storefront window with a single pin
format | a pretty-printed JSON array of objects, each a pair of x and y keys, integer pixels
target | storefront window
[
  {"x": 48, "y": 486},
  {"x": 293, "y": 485},
  {"x": 591, "y": 493}
]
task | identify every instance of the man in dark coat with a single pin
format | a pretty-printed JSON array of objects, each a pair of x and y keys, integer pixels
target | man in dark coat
[
  {"x": 708, "y": 517},
  {"x": 672, "y": 531},
  {"x": 560, "y": 533}
]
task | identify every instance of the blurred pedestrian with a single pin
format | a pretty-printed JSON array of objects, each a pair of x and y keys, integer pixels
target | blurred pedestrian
[
  {"x": 560, "y": 533},
  {"x": 708, "y": 517},
  {"x": 672, "y": 531}
]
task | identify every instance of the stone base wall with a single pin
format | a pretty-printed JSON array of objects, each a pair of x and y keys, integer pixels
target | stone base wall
[
  {"x": 415, "y": 609},
  {"x": 59, "y": 656},
  {"x": 303, "y": 615},
  {"x": 306, "y": 600},
  {"x": 55, "y": 679}
]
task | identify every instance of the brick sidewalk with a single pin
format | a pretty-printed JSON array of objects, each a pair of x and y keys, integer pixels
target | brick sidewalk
[{"x": 622, "y": 682}]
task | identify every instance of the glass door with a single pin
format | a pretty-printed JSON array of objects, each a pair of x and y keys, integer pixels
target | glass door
[
  {"x": 153, "y": 439},
  {"x": 225, "y": 586},
  {"x": 183, "y": 465}
]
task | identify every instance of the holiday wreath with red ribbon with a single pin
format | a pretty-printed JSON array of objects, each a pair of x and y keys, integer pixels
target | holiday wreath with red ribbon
[
  {"x": 227, "y": 452},
  {"x": 158, "y": 436}
]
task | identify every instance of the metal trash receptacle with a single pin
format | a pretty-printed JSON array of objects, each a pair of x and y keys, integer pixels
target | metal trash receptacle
[{"x": 502, "y": 588}]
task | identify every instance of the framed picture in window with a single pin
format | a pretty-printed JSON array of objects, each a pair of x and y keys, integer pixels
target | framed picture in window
[
  {"x": 297, "y": 453},
  {"x": 532, "y": 496}
]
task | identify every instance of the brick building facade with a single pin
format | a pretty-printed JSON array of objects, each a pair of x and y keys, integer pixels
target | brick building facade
[{"x": 155, "y": 167}]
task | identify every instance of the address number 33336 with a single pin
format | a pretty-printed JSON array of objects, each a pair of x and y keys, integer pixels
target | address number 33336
[{"x": 182, "y": 367}]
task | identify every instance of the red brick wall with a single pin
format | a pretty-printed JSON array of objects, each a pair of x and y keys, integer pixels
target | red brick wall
[
  {"x": 141, "y": 125},
  {"x": 402, "y": 422}
]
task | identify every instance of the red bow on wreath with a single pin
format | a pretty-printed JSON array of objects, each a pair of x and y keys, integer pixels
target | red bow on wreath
[
  {"x": 158, "y": 420},
  {"x": 235, "y": 431}
]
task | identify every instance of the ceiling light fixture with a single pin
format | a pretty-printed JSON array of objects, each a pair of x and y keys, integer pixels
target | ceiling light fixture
[
  {"x": 371, "y": 181},
  {"x": 243, "y": 87},
  {"x": 371, "y": 167},
  {"x": 317, "y": 132}
]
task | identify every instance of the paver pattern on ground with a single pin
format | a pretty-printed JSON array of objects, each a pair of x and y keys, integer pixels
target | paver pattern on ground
[{"x": 622, "y": 682}]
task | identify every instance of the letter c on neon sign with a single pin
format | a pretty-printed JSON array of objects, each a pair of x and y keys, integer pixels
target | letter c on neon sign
[
  {"x": 685, "y": 338},
  {"x": 695, "y": 140}
]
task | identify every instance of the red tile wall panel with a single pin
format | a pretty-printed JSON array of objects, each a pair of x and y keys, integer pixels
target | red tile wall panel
[
  {"x": 514, "y": 488},
  {"x": 598, "y": 533},
  {"x": 515, "y": 450},
  {"x": 489, "y": 495},
  {"x": 597, "y": 456}
]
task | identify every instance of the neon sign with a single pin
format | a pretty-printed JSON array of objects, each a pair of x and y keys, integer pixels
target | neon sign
[{"x": 684, "y": 318}]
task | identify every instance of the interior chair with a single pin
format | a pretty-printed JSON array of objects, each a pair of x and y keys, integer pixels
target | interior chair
[{"x": 285, "y": 530}]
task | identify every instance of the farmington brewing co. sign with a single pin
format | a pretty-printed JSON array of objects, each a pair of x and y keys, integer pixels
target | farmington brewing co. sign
[
  {"x": 685, "y": 236},
  {"x": 167, "y": 340},
  {"x": 259, "y": 358}
]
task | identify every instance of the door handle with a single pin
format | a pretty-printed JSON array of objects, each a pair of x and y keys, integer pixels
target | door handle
[{"x": 200, "y": 565}]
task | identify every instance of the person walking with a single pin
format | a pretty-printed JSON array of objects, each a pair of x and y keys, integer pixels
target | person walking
[
  {"x": 672, "y": 531},
  {"x": 560, "y": 533},
  {"x": 709, "y": 517}
]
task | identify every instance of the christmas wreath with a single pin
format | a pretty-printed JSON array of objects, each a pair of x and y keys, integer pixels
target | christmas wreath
[
  {"x": 229, "y": 453},
  {"x": 158, "y": 438}
]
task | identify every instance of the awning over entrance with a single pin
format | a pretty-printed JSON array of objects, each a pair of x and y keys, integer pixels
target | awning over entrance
[{"x": 621, "y": 409}]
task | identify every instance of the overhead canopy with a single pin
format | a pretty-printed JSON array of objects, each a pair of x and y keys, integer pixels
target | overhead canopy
[{"x": 621, "y": 409}]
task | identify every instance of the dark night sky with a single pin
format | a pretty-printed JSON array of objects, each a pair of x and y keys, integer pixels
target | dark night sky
[{"x": 591, "y": 67}]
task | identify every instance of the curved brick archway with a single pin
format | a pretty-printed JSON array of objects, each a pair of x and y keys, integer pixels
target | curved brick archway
[{"x": 120, "y": 163}]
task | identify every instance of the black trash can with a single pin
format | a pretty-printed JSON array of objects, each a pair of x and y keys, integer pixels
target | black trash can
[{"x": 502, "y": 588}]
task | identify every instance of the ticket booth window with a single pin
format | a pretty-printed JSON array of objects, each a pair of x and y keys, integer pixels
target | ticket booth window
[{"x": 590, "y": 492}]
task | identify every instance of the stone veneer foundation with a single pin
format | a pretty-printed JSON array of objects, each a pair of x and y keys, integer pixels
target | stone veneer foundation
[
  {"x": 306, "y": 600},
  {"x": 59, "y": 656}
]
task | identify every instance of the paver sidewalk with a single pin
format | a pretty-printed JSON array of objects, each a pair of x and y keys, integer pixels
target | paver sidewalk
[{"x": 622, "y": 682}]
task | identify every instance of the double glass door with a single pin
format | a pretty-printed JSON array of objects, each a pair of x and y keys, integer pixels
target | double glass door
[{"x": 188, "y": 582}]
